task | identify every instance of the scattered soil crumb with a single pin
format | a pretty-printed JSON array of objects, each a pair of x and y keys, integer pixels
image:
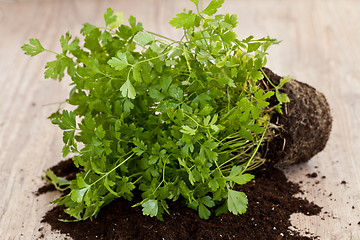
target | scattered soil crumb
[
  {"x": 312, "y": 175},
  {"x": 271, "y": 202},
  {"x": 343, "y": 182},
  {"x": 42, "y": 235}
]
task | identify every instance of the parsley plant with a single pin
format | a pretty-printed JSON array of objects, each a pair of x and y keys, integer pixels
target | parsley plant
[{"x": 175, "y": 120}]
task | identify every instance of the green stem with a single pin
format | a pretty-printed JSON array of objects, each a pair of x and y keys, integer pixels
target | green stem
[
  {"x": 256, "y": 150},
  {"x": 117, "y": 166},
  {"x": 161, "y": 36},
  {"x": 267, "y": 78},
  {"x": 137, "y": 180},
  {"x": 59, "y": 103},
  {"x": 52, "y": 52},
  {"x": 197, "y": 124}
]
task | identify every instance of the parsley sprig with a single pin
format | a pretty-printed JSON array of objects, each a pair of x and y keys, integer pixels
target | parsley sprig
[{"x": 176, "y": 120}]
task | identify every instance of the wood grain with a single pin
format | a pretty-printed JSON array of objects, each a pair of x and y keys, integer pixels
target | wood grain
[{"x": 320, "y": 47}]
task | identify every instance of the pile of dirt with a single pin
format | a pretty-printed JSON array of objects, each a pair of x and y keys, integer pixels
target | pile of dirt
[{"x": 271, "y": 202}]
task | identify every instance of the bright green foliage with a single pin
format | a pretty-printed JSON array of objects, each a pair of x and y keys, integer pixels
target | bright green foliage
[
  {"x": 34, "y": 48},
  {"x": 174, "y": 120}
]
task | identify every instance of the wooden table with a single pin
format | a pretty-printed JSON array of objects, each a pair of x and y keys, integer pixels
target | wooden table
[{"x": 321, "y": 46}]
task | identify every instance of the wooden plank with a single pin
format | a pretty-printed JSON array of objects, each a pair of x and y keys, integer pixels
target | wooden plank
[{"x": 320, "y": 46}]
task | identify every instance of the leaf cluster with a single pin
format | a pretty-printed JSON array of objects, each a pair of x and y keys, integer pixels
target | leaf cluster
[{"x": 176, "y": 120}]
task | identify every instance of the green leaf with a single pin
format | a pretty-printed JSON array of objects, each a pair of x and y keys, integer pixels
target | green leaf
[
  {"x": 135, "y": 27},
  {"x": 156, "y": 95},
  {"x": 176, "y": 92},
  {"x": 260, "y": 97},
  {"x": 150, "y": 207},
  {"x": 207, "y": 201},
  {"x": 58, "y": 182},
  {"x": 128, "y": 105},
  {"x": 165, "y": 82},
  {"x": 99, "y": 132},
  {"x": 67, "y": 122},
  {"x": 213, "y": 184},
  {"x": 77, "y": 195},
  {"x": 253, "y": 46},
  {"x": 137, "y": 73},
  {"x": 228, "y": 37},
  {"x": 128, "y": 90},
  {"x": 140, "y": 146},
  {"x": 64, "y": 42},
  {"x": 236, "y": 202},
  {"x": 54, "y": 70},
  {"x": 65, "y": 150},
  {"x": 119, "y": 62},
  {"x": 109, "y": 17},
  {"x": 125, "y": 188},
  {"x": 236, "y": 176},
  {"x": 144, "y": 38},
  {"x": 222, "y": 209},
  {"x": 188, "y": 130},
  {"x": 206, "y": 151},
  {"x": 81, "y": 182},
  {"x": 206, "y": 110},
  {"x": 231, "y": 19},
  {"x": 213, "y": 6},
  {"x": 118, "y": 21},
  {"x": 282, "y": 97},
  {"x": 283, "y": 81},
  {"x": 185, "y": 20},
  {"x": 87, "y": 29},
  {"x": 204, "y": 213},
  {"x": 68, "y": 137},
  {"x": 34, "y": 49}
]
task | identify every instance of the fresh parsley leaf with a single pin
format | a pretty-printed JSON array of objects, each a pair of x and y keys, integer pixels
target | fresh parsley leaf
[
  {"x": 236, "y": 202},
  {"x": 150, "y": 207},
  {"x": 185, "y": 20},
  {"x": 34, "y": 49},
  {"x": 187, "y": 130},
  {"x": 213, "y": 6},
  {"x": 109, "y": 17},
  {"x": 119, "y": 62},
  {"x": 143, "y": 38},
  {"x": 128, "y": 90}
]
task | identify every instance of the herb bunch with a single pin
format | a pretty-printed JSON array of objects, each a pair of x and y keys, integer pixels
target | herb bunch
[{"x": 175, "y": 120}]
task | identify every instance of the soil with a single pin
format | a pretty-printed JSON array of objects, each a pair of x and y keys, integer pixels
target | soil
[
  {"x": 304, "y": 130},
  {"x": 271, "y": 202},
  {"x": 305, "y": 124}
]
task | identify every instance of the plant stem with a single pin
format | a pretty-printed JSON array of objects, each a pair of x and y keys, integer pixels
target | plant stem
[
  {"x": 117, "y": 166},
  {"x": 256, "y": 150},
  {"x": 159, "y": 35}
]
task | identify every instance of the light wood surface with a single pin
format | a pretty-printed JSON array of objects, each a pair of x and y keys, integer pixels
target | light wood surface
[{"x": 320, "y": 46}]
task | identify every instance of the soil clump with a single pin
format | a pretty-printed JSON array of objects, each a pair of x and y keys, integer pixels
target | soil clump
[{"x": 305, "y": 124}]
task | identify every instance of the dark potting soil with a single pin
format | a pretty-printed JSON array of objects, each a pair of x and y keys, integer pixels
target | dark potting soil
[
  {"x": 271, "y": 202},
  {"x": 305, "y": 124}
]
